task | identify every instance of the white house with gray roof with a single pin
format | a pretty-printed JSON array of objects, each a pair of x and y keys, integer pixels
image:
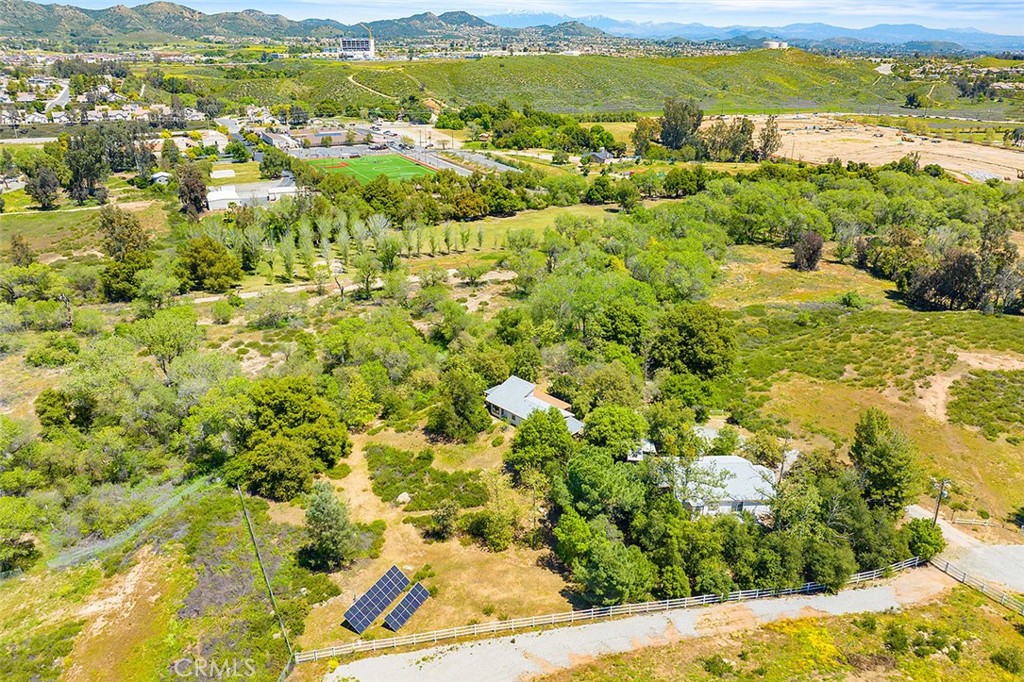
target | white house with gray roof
[
  {"x": 728, "y": 484},
  {"x": 516, "y": 399}
]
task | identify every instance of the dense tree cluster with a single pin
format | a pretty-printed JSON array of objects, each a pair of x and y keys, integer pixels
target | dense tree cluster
[
  {"x": 681, "y": 136},
  {"x": 530, "y": 128}
]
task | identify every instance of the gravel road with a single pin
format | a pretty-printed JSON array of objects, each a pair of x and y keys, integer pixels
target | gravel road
[
  {"x": 519, "y": 657},
  {"x": 1002, "y": 564}
]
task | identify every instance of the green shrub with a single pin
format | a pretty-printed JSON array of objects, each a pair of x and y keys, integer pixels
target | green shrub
[
  {"x": 338, "y": 472},
  {"x": 852, "y": 299},
  {"x": 87, "y": 322},
  {"x": 395, "y": 471},
  {"x": 1010, "y": 659},
  {"x": 58, "y": 349},
  {"x": 992, "y": 401},
  {"x": 896, "y": 638},
  {"x": 222, "y": 312},
  {"x": 717, "y": 666},
  {"x": 924, "y": 539}
]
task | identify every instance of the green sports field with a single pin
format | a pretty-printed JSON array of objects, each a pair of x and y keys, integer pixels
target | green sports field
[{"x": 366, "y": 168}]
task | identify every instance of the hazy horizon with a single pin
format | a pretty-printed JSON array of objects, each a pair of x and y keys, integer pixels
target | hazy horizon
[{"x": 995, "y": 16}]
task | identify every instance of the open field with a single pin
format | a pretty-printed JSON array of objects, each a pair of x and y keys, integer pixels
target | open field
[
  {"x": 240, "y": 173},
  {"x": 367, "y": 168},
  {"x": 74, "y": 231},
  {"x": 817, "y": 139},
  {"x": 756, "y": 275},
  {"x": 817, "y": 371}
]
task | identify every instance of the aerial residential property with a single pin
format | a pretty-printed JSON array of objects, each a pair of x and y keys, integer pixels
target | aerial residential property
[
  {"x": 515, "y": 399},
  {"x": 663, "y": 341}
]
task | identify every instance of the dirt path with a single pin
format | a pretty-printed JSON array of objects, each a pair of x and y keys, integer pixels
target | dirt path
[
  {"x": 353, "y": 81},
  {"x": 935, "y": 397},
  {"x": 350, "y": 288},
  {"x": 523, "y": 656},
  {"x": 1000, "y": 564}
]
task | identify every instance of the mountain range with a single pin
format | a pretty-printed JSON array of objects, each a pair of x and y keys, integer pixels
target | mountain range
[
  {"x": 161, "y": 21},
  {"x": 166, "y": 20},
  {"x": 882, "y": 34}
]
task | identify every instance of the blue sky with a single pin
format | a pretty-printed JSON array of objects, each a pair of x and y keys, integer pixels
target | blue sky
[{"x": 996, "y": 16}]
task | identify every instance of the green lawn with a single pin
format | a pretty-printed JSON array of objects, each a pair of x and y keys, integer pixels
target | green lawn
[
  {"x": 367, "y": 168},
  {"x": 244, "y": 172}
]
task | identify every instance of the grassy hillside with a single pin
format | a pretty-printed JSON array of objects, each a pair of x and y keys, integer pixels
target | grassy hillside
[
  {"x": 755, "y": 80},
  {"x": 761, "y": 81}
]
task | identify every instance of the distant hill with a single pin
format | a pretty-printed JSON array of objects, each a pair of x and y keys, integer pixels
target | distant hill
[
  {"x": 807, "y": 33},
  {"x": 165, "y": 20},
  {"x": 21, "y": 18}
]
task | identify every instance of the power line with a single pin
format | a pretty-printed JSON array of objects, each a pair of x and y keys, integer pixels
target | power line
[{"x": 263, "y": 570}]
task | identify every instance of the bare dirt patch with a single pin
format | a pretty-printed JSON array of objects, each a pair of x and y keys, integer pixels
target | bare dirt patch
[
  {"x": 934, "y": 397},
  {"x": 818, "y": 138},
  {"x": 128, "y": 619},
  {"x": 284, "y": 512}
]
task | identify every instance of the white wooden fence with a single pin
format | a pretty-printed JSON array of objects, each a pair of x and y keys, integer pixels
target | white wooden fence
[
  {"x": 571, "y": 617},
  {"x": 1002, "y": 598}
]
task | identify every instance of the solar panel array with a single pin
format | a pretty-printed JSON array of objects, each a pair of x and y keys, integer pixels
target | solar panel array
[
  {"x": 408, "y": 606},
  {"x": 368, "y": 607}
]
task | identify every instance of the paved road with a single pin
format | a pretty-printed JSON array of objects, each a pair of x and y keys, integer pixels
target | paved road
[
  {"x": 513, "y": 658},
  {"x": 483, "y": 160},
  {"x": 60, "y": 100}
]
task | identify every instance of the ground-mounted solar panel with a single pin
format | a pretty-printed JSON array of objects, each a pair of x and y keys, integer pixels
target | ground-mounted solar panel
[
  {"x": 408, "y": 606},
  {"x": 368, "y": 607}
]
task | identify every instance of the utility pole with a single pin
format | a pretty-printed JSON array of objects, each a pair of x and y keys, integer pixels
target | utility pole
[{"x": 938, "y": 500}]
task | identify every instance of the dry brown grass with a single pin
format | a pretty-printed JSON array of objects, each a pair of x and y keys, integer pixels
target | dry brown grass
[
  {"x": 126, "y": 636},
  {"x": 763, "y": 275},
  {"x": 992, "y": 472},
  {"x": 468, "y": 578}
]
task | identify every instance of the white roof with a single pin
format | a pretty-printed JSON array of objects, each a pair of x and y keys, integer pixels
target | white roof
[
  {"x": 744, "y": 480},
  {"x": 516, "y": 396},
  {"x": 227, "y": 192}
]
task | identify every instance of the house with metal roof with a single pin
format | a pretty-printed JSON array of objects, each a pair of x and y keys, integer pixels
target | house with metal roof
[
  {"x": 516, "y": 399},
  {"x": 601, "y": 156},
  {"x": 728, "y": 484}
]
